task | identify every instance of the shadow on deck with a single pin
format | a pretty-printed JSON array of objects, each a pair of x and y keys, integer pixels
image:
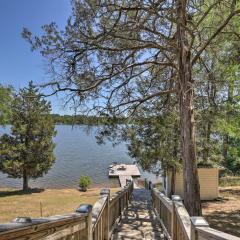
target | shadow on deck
[{"x": 139, "y": 220}]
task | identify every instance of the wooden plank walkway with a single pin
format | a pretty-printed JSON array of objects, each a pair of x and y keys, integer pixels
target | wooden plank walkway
[
  {"x": 123, "y": 180},
  {"x": 116, "y": 170},
  {"x": 124, "y": 172},
  {"x": 139, "y": 220}
]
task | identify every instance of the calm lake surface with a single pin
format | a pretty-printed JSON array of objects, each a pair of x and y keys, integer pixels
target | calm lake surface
[{"x": 77, "y": 153}]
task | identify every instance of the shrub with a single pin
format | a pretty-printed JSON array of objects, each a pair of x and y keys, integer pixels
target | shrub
[{"x": 84, "y": 182}]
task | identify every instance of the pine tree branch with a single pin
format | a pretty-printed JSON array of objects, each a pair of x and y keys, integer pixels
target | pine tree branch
[{"x": 215, "y": 34}]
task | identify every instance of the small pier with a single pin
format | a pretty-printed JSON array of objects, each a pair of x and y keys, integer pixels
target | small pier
[{"x": 124, "y": 172}]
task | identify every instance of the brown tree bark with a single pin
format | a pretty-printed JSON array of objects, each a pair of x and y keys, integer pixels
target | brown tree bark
[
  {"x": 25, "y": 181},
  {"x": 173, "y": 181},
  {"x": 187, "y": 126},
  {"x": 225, "y": 147},
  {"x": 206, "y": 142},
  {"x": 228, "y": 116}
]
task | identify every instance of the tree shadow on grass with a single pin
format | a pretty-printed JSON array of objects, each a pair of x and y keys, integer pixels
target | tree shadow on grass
[
  {"x": 228, "y": 222},
  {"x": 226, "y": 213},
  {"x": 229, "y": 191},
  {"x": 205, "y": 203},
  {"x": 9, "y": 193}
]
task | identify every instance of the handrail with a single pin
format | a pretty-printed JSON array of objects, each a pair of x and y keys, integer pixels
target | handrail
[
  {"x": 201, "y": 230},
  {"x": 118, "y": 203},
  {"x": 164, "y": 210},
  {"x": 107, "y": 211},
  {"x": 183, "y": 220},
  {"x": 177, "y": 223},
  {"x": 56, "y": 227},
  {"x": 98, "y": 209},
  {"x": 210, "y": 233},
  {"x": 164, "y": 199},
  {"x": 86, "y": 223}
]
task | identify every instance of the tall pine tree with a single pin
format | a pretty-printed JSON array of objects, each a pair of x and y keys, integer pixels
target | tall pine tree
[
  {"x": 28, "y": 151},
  {"x": 5, "y": 102},
  {"x": 115, "y": 56}
]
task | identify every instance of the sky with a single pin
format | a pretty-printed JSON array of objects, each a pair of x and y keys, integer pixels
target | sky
[{"x": 18, "y": 64}]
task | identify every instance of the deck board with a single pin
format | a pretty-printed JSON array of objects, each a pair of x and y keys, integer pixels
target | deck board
[
  {"x": 123, "y": 179},
  {"x": 130, "y": 171},
  {"x": 139, "y": 220}
]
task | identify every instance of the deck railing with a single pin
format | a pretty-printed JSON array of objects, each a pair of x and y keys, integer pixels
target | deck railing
[
  {"x": 143, "y": 182},
  {"x": 97, "y": 223},
  {"x": 177, "y": 223},
  {"x": 86, "y": 223},
  {"x": 118, "y": 203},
  {"x": 108, "y": 211},
  {"x": 71, "y": 226}
]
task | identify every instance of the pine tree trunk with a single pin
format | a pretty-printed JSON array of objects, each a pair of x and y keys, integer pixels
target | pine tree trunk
[
  {"x": 228, "y": 116},
  {"x": 173, "y": 181},
  {"x": 25, "y": 181},
  {"x": 190, "y": 175},
  {"x": 207, "y": 141},
  {"x": 225, "y": 147}
]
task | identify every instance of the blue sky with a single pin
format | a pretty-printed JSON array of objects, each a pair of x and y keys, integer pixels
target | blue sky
[{"x": 18, "y": 64}]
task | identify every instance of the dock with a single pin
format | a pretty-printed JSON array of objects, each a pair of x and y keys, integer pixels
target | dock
[{"x": 124, "y": 172}]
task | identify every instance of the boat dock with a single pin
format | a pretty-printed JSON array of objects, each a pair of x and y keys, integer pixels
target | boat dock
[{"x": 124, "y": 172}]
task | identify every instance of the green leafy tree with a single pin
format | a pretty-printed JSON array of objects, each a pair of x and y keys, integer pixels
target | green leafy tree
[
  {"x": 5, "y": 104},
  {"x": 28, "y": 151},
  {"x": 114, "y": 56},
  {"x": 155, "y": 144},
  {"x": 217, "y": 99}
]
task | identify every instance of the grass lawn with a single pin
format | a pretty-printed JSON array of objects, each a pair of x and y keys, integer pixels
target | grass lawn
[
  {"x": 14, "y": 203},
  {"x": 224, "y": 213}
]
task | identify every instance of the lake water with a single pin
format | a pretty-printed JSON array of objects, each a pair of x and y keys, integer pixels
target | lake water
[{"x": 77, "y": 153}]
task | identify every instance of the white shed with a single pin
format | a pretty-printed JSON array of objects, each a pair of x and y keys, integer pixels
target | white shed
[{"x": 208, "y": 178}]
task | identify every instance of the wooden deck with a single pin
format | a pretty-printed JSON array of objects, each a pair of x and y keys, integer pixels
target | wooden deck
[
  {"x": 139, "y": 220},
  {"x": 124, "y": 172},
  {"x": 124, "y": 169}
]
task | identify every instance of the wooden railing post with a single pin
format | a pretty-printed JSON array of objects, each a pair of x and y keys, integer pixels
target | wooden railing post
[
  {"x": 89, "y": 224},
  {"x": 87, "y": 209},
  {"x": 175, "y": 199},
  {"x": 197, "y": 222},
  {"x": 128, "y": 182},
  {"x": 106, "y": 192},
  {"x": 120, "y": 206}
]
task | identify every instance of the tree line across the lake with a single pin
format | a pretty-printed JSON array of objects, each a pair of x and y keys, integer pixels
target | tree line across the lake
[
  {"x": 171, "y": 67},
  {"x": 7, "y": 95},
  {"x": 27, "y": 152}
]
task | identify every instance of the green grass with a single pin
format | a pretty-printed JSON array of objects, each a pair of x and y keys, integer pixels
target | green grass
[
  {"x": 14, "y": 203},
  {"x": 229, "y": 181}
]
